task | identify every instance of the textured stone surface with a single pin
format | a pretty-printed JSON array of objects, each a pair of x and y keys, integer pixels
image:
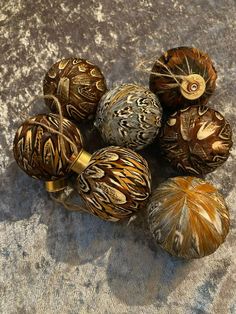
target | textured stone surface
[{"x": 53, "y": 261}]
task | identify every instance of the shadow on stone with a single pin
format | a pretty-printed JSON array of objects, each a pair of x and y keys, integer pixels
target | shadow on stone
[
  {"x": 76, "y": 238},
  {"x": 140, "y": 273},
  {"x": 160, "y": 168},
  {"x": 21, "y": 196}
]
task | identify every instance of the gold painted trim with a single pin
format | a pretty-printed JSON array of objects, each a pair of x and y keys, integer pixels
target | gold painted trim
[
  {"x": 81, "y": 162},
  {"x": 55, "y": 186}
]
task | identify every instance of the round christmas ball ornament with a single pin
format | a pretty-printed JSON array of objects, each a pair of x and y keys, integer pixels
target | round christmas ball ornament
[
  {"x": 188, "y": 217},
  {"x": 196, "y": 140},
  {"x": 78, "y": 84},
  {"x": 41, "y": 152},
  {"x": 115, "y": 184},
  {"x": 182, "y": 77},
  {"x": 129, "y": 115}
]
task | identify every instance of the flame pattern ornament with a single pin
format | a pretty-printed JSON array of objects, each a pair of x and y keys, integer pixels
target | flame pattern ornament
[
  {"x": 196, "y": 140},
  {"x": 188, "y": 217},
  {"x": 37, "y": 150},
  {"x": 78, "y": 84},
  {"x": 116, "y": 183},
  {"x": 183, "y": 77},
  {"x": 129, "y": 115}
]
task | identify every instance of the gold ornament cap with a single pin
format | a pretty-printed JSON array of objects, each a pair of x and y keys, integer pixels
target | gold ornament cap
[
  {"x": 81, "y": 161},
  {"x": 193, "y": 86},
  {"x": 55, "y": 186}
]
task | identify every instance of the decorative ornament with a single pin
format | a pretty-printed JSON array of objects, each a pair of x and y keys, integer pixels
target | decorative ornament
[
  {"x": 115, "y": 184},
  {"x": 188, "y": 217},
  {"x": 78, "y": 84},
  {"x": 129, "y": 115},
  {"x": 183, "y": 77},
  {"x": 196, "y": 140},
  {"x": 43, "y": 152}
]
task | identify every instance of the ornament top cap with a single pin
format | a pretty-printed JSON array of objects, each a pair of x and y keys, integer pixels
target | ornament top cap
[
  {"x": 193, "y": 86},
  {"x": 81, "y": 161}
]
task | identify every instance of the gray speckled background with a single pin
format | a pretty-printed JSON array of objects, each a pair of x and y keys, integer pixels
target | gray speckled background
[{"x": 53, "y": 261}]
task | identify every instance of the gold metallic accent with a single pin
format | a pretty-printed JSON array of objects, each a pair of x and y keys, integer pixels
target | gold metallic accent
[
  {"x": 193, "y": 86},
  {"x": 81, "y": 161},
  {"x": 55, "y": 186}
]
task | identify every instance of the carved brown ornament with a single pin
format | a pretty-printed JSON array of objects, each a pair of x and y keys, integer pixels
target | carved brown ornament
[
  {"x": 183, "y": 77},
  {"x": 78, "y": 84},
  {"x": 196, "y": 140}
]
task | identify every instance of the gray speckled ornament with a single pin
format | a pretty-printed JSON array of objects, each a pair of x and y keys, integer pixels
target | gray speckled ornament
[{"x": 129, "y": 115}]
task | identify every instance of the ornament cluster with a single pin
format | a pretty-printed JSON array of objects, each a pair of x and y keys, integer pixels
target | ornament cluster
[{"x": 186, "y": 215}]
